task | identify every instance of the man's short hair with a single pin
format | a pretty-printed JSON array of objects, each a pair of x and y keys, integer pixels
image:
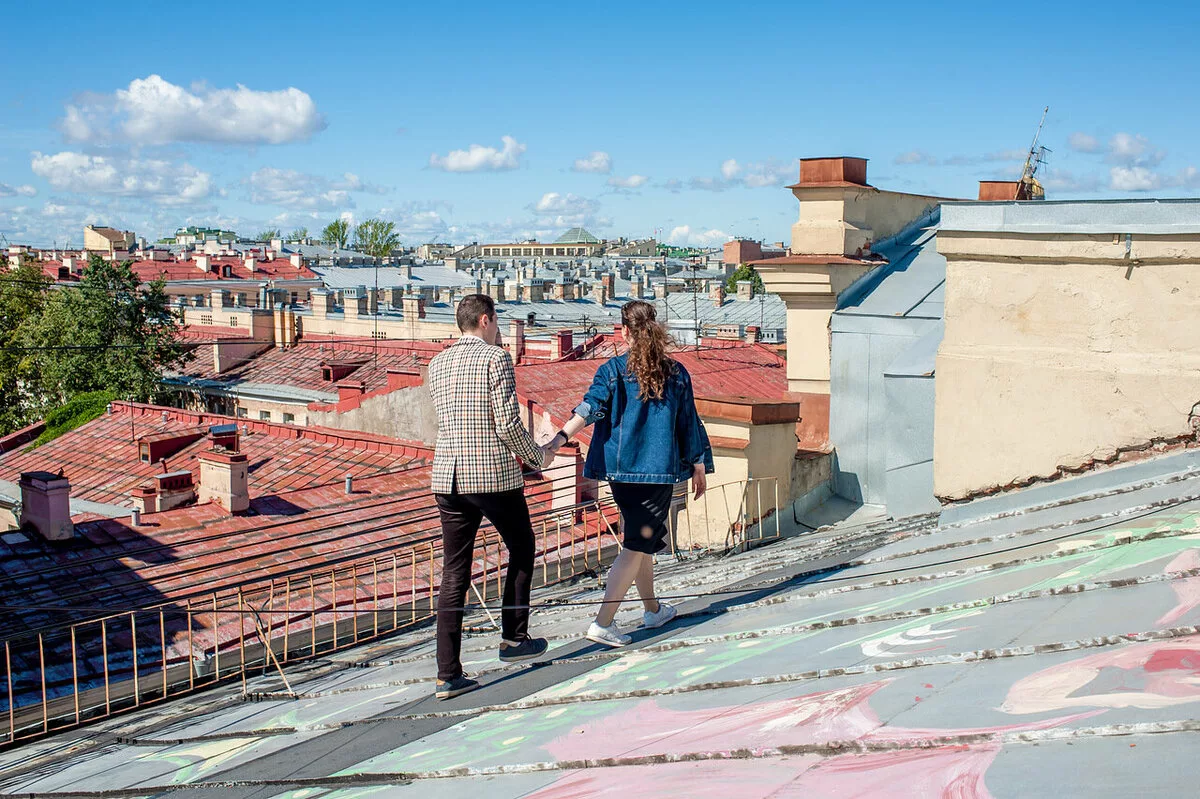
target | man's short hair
[{"x": 470, "y": 308}]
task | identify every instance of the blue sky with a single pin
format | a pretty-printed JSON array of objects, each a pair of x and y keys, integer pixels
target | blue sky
[{"x": 487, "y": 121}]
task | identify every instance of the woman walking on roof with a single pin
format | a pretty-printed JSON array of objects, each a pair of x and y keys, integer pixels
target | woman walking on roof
[{"x": 648, "y": 437}]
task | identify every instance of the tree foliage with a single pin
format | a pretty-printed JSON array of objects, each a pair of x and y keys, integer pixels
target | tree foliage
[
  {"x": 268, "y": 234},
  {"x": 23, "y": 294},
  {"x": 109, "y": 334},
  {"x": 376, "y": 237},
  {"x": 336, "y": 233},
  {"x": 78, "y": 411},
  {"x": 298, "y": 234},
  {"x": 744, "y": 272}
]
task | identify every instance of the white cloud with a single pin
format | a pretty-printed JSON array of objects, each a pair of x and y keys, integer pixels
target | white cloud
[
  {"x": 598, "y": 161},
  {"x": 1136, "y": 150},
  {"x": 631, "y": 182},
  {"x": 1083, "y": 143},
  {"x": 733, "y": 173},
  {"x": 915, "y": 157},
  {"x": 1142, "y": 178},
  {"x": 15, "y": 191},
  {"x": 301, "y": 191},
  {"x": 684, "y": 236},
  {"x": 155, "y": 111},
  {"x": 478, "y": 158},
  {"x": 771, "y": 173},
  {"x": 554, "y": 203},
  {"x": 165, "y": 182}
]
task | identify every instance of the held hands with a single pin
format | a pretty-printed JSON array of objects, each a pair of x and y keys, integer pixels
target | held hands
[
  {"x": 551, "y": 448},
  {"x": 699, "y": 480}
]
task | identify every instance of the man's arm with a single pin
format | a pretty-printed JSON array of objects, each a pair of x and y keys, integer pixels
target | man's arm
[{"x": 506, "y": 412}]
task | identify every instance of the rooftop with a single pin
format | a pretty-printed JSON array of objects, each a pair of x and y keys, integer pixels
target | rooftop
[{"x": 1053, "y": 646}]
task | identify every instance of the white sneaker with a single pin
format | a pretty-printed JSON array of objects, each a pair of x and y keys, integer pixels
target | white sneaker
[
  {"x": 665, "y": 614},
  {"x": 609, "y": 636}
]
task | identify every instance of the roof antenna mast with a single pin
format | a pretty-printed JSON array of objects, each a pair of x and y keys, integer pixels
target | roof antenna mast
[{"x": 1030, "y": 188}]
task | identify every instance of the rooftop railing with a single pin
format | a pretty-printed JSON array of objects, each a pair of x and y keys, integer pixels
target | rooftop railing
[{"x": 61, "y": 677}]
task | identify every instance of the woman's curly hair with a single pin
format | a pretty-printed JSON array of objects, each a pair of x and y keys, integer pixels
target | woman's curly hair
[{"x": 648, "y": 342}]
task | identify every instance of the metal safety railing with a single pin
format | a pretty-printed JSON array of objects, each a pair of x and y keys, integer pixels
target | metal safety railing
[{"x": 62, "y": 677}]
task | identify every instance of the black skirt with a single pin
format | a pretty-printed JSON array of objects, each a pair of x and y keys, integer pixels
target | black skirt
[{"x": 644, "y": 508}]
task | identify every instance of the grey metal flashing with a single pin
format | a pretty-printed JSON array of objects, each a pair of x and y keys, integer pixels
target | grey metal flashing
[{"x": 1155, "y": 217}]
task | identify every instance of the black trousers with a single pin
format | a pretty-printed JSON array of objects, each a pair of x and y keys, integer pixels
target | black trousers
[{"x": 461, "y": 515}]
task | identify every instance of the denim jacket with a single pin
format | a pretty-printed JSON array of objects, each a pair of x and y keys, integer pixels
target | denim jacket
[{"x": 642, "y": 441}]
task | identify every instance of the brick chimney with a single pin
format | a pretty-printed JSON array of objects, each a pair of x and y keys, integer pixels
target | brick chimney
[
  {"x": 296, "y": 260},
  {"x": 224, "y": 480},
  {"x": 355, "y": 300},
  {"x": 174, "y": 489},
  {"x": 562, "y": 343},
  {"x": 250, "y": 264},
  {"x": 516, "y": 339},
  {"x": 745, "y": 289},
  {"x": 752, "y": 334},
  {"x": 145, "y": 499},
  {"x": 414, "y": 307},
  {"x": 203, "y": 262},
  {"x": 46, "y": 505},
  {"x": 636, "y": 287},
  {"x": 320, "y": 303},
  {"x": 717, "y": 294}
]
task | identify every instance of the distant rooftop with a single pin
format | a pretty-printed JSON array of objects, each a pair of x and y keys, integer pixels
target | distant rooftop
[{"x": 577, "y": 235}]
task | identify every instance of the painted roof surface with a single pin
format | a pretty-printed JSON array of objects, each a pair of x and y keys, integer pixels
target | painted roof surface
[{"x": 1029, "y": 655}]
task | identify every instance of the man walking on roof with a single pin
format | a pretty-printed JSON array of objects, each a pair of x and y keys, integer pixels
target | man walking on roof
[{"x": 476, "y": 476}]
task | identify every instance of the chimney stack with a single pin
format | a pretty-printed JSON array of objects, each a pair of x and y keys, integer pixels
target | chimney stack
[
  {"x": 46, "y": 505},
  {"x": 224, "y": 480},
  {"x": 516, "y": 339},
  {"x": 561, "y": 344},
  {"x": 636, "y": 287},
  {"x": 203, "y": 262},
  {"x": 717, "y": 294},
  {"x": 745, "y": 289},
  {"x": 414, "y": 307}
]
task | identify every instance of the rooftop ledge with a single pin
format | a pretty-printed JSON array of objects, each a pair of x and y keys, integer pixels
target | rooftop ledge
[
  {"x": 747, "y": 409},
  {"x": 1161, "y": 217}
]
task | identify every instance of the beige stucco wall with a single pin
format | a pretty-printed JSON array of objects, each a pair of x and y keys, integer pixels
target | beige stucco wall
[
  {"x": 405, "y": 413},
  {"x": 845, "y": 220},
  {"x": 1059, "y": 350}
]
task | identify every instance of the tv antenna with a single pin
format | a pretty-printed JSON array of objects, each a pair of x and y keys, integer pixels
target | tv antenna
[{"x": 1030, "y": 188}]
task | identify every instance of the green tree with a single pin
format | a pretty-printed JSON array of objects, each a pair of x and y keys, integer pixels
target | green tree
[
  {"x": 298, "y": 234},
  {"x": 376, "y": 237},
  {"x": 268, "y": 234},
  {"x": 23, "y": 294},
  {"x": 108, "y": 334},
  {"x": 336, "y": 234},
  {"x": 744, "y": 272}
]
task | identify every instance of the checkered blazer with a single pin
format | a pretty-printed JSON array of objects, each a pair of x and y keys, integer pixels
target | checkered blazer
[{"x": 479, "y": 420}]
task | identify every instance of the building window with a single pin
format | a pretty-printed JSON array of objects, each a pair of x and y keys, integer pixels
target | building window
[
  {"x": 289, "y": 418},
  {"x": 241, "y": 412},
  {"x": 233, "y": 321},
  {"x": 264, "y": 416},
  {"x": 206, "y": 319}
]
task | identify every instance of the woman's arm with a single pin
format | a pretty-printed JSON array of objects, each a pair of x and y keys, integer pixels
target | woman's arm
[{"x": 594, "y": 406}]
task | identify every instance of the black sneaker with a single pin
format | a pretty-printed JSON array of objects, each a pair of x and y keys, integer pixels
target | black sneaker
[
  {"x": 527, "y": 649},
  {"x": 447, "y": 689}
]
